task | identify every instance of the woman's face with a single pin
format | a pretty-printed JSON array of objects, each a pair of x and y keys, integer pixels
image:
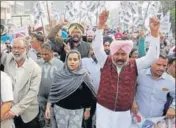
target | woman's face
[
  {"x": 134, "y": 55},
  {"x": 73, "y": 61}
]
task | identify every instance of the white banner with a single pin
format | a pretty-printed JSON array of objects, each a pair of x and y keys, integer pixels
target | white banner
[
  {"x": 23, "y": 30},
  {"x": 166, "y": 18},
  {"x": 165, "y": 27},
  {"x": 165, "y": 23}
]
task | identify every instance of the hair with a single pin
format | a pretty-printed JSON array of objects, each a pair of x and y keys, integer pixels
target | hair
[
  {"x": 171, "y": 61},
  {"x": 107, "y": 39},
  {"x": 46, "y": 46},
  {"x": 39, "y": 37},
  {"x": 132, "y": 51},
  {"x": 125, "y": 38},
  {"x": 163, "y": 55},
  {"x": 25, "y": 41}
]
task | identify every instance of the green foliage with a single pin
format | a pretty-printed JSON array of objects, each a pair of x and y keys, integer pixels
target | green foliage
[
  {"x": 172, "y": 14},
  {"x": 166, "y": 6}
]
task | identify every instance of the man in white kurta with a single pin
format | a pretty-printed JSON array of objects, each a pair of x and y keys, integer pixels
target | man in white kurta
[{"x": 107, "y": 118}]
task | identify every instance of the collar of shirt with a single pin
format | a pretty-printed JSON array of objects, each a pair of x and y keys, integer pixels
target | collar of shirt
[
  {"x": 23, "y": 66},
  {"x": 49, "y": 62},
  {"x": 148, "y": 72},
  {"x": 32, "y": 49}
]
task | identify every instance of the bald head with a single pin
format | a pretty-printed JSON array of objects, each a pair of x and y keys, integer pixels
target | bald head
[{"x": 90, "y": 35}]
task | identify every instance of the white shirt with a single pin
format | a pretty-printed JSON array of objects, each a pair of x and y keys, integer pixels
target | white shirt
[
  {"x": 6, "y": 88},
  {"x": 18, "y": 76},
  {"x": 94, "y": 70}
]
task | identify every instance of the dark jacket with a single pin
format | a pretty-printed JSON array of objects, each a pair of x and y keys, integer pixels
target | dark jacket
[
  {"x": 117, "y": 91},
  {"x": 58, "y": 45}
]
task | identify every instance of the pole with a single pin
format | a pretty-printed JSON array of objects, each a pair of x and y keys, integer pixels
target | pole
[
  {"x": 49, "y": 19},
  {"x": 43, "y": 27},
  {"x": 146, "y": 15},
  {"x": 21, "y": 21},
  {"x": 15, "y": 7}
]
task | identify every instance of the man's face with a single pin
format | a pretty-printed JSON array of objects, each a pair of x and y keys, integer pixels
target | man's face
[
  {"x": 89, "y": 37},
  {"x": 172, "y": 69},
  {"x": 19, "y": 50},
  {"x": 76, "y": 35},
  {"x": 107, "y": 47},
  {"x": 46, "y": 54},
  {"x": 35, "y": 43},
  {"x": 159, "y": 67},
  {"x": 120, "y": 57},
  {"x": 134, "y": 55}
]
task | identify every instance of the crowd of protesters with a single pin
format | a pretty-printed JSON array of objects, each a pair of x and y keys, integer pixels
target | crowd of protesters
[{"x": 78, "y": 78}]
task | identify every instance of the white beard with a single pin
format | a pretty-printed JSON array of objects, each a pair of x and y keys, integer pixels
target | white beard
[{"x": 21, "y": 57}]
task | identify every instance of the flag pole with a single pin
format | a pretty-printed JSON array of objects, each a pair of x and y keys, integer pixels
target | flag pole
[
  {"x": 49, "y": 19},
  {"x": 146, "y": 15},
  {"x": 43, "y": 26}
]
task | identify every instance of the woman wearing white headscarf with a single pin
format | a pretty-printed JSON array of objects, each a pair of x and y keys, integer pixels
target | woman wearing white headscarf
[{"x": 72, "y": 93}]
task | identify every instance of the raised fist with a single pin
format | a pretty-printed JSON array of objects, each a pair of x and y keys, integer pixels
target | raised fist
[
  {"x": 154, "y": 26},
  {"x": 103, "y": 18}
]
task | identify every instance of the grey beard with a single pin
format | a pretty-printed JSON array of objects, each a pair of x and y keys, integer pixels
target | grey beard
[{"x": 23, "y": 56}]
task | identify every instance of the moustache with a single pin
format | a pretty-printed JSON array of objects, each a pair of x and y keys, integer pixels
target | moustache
[
  {"x": 160, "y": 70},
  {"x": 120, "y": 61},
  {"x": 16, "y": 54}
]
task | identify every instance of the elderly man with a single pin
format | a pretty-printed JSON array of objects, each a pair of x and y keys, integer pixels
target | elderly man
[
  {"x": 153, "y": 86},
  {"x": 75, "y": 42},
  {"x": 118, "y": 76},
  {"x": 90, "y": 36},
  {"x": 49, "y": 65},
  {"x": 26, "y": 77}
]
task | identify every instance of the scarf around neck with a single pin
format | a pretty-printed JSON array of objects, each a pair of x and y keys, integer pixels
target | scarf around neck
[{"x": 67, "y": 82}]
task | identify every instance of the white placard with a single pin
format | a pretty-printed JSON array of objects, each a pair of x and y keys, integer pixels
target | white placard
[{"x": 21, "y": 30}]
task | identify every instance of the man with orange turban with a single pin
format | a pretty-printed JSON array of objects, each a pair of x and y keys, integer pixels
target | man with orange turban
[{"x": 118, "y": 75}]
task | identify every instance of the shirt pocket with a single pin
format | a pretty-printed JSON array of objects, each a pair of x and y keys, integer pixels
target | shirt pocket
[{"x": 160, "y": 95}]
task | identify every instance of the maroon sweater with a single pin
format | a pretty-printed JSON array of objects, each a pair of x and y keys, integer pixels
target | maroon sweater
[{"x": 117, "y": 91}]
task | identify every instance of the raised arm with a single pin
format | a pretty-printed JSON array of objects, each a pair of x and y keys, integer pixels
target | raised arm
[
  {"x": 154, "y": 49},
  {"x": 97, "y": 44},
  {"x": 98, "y": 48},
  {"x": 53, "y": 32}
]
